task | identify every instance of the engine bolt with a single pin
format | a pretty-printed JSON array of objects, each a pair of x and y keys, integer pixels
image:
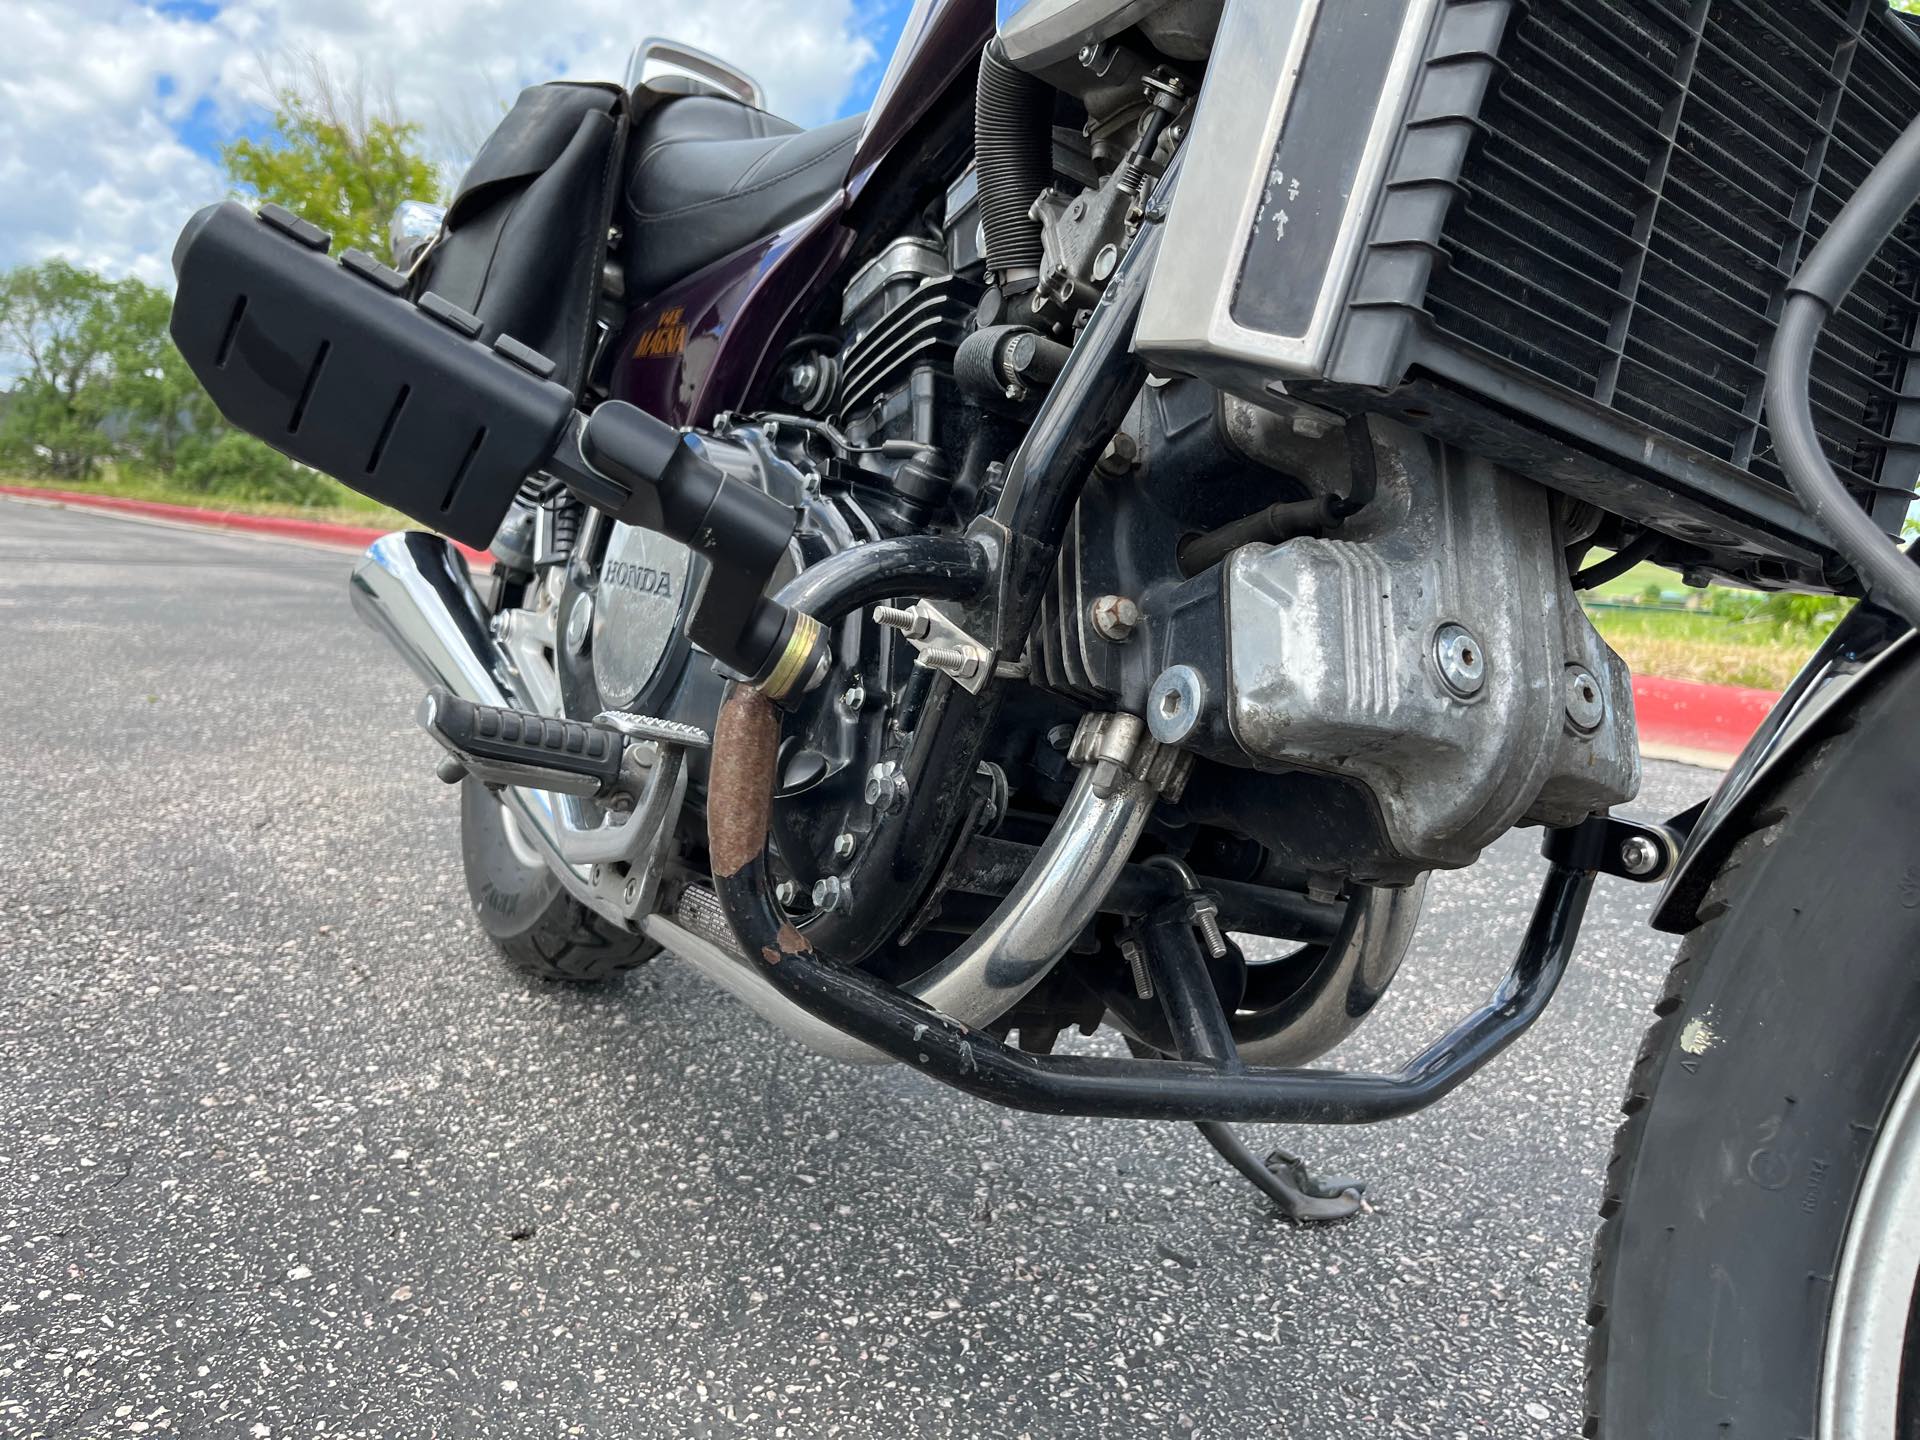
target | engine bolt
[
  {"x": 844, "y": 844},
  {"x": 910, "y": 623},
  {"x": 886, "y": 787},
  {"x": 787, "y": 892},
  {"x": 831, "y": 894},
  {"x": 1461, "y": 658},
  {"x": 1586, "y": 706},
  {"x": 1136, "y": 959},
  {"x": 961, "y": 664},
  {"x": 1115, "y": 617},
  {"x": 1119, "y": 457},
  {"x": 631, "y": 893},
  {"x": 1640, "y": 855},
  {"x": 853, "y": 700},
  {"x": 1206, "y": 919}
]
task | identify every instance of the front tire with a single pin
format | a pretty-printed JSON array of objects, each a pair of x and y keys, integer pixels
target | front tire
[
  {"x": 541, "y": 930},
  {"x": 1786, "y": 1030}
]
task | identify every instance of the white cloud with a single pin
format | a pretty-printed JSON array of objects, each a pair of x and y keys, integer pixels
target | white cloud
[{"x": 93, "y": 169}]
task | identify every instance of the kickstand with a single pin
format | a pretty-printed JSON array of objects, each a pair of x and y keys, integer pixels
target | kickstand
[
  {"x": 1285, "y": 1180},
  {"x": 1184, "y": 985}
]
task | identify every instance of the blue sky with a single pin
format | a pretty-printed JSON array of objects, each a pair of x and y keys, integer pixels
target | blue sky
[{"x": 112, "y": 112}]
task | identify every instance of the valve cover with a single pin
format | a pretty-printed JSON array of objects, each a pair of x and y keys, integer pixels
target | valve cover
[{"x": 1436, "y": 654}]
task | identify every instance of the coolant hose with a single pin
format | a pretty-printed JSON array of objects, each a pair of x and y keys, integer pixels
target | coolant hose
[
  {"x": 1013, "y": 157},
  {"x": 1865, "y": 223}
]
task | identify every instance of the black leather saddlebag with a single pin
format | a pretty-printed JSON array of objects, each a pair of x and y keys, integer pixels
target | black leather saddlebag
[{"x": 526, "y": 235}]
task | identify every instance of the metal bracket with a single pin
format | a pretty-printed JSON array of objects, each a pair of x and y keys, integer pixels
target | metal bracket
[{"x": 1644, "y": 852}]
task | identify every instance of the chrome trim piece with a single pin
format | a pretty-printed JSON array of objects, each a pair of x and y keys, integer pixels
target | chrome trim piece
[
  {"x": 1873, "y": 1293},
  {"x": 1185, "y": 319}
]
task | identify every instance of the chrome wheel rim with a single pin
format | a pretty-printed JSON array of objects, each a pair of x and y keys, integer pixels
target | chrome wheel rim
[{"x": 1873, "y": 1296}]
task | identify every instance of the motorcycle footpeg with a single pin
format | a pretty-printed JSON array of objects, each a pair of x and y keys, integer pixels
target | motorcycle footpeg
[{"x": 498, "y": 746}]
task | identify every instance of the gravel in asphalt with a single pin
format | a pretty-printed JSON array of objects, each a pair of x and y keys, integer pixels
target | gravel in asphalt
[{"x": 285, "y": 1151}]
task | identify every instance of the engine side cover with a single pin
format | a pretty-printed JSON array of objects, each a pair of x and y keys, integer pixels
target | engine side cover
[
  {"x": 641, "y": 596},
  {"x": 1334, "y": 661}
]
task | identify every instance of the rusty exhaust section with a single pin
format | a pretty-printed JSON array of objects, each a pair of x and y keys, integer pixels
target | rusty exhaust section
[{"x": 740, "y": 781}]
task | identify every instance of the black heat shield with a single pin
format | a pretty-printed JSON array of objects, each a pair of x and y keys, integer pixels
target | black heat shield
[{"x": 332, "y": 365}]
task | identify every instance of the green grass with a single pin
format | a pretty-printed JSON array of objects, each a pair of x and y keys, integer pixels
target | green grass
[
  {"x": 342, "y": 505},
  {"x": 1723, "y": 636}
]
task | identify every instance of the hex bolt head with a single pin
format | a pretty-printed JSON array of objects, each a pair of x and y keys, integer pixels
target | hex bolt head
[
  {"x": 787, "y": 892},
  {"x": 844, "y": 845},
  {"x": 1461, "y": 660},
  {"x": 886, "y": 789},
  {"x": 1114, "y": 617},
  {"x": 1120, "y": 456},
  {"x": 1586, "y": 702},
  {"x": 853, "y": 699},
  {"x": 832, "y": 893},
  {"x": 1640, "y": 855}
]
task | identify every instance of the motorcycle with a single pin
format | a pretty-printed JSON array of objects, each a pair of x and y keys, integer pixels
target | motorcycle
[{"x": 1075, "y": 547}]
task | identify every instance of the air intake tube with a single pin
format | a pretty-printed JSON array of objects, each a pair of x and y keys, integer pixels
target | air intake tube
[{"x": 1013, "y": 155}]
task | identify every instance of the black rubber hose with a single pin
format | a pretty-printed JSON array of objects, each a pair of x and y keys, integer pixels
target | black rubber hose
[
  {"x": 1013, "y": 157},
  {"x": 1865, "y": 223},
  {"x": 935, "y": 567},
  {"x": 1618, "y": 563}
]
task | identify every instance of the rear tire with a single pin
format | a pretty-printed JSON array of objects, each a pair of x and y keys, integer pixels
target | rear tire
[
  {"x": 1786, "y": 1028},
  {"x": 541, "y": 929}
]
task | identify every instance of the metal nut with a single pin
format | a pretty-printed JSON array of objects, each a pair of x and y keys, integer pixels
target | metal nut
[
  {"x": 1461, "y": 659},
  {"x": 1114, "y": 617},
  {"x": 1586, "y": 702},
  {"x": 961, "y": 662},
  {"x": 911, "y": 623},
  {"x": 1640, "y": 855},
  {"x": 832, "y": 893}
]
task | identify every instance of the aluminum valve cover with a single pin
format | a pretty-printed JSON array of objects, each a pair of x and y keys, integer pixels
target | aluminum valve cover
[{"x": 1436, "y": 654}]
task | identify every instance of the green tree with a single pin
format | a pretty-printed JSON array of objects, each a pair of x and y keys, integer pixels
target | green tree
[
  {"x": 56, "y": 329},
  {"x": 340, "y": 159}
]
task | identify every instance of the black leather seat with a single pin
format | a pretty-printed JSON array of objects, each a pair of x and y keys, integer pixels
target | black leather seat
[{"x": 709, "y": 175}]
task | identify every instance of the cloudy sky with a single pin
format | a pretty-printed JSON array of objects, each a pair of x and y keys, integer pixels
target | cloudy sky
[{"x": 112, "y": 111}]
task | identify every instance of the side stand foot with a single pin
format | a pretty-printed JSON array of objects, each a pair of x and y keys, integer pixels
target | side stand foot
[{"x": 1285, "y": 1180}]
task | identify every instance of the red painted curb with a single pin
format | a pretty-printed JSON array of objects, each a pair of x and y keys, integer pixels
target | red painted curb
[
  {"x": 320, "y": 532},
  {"x": 1706, "y": 724}
]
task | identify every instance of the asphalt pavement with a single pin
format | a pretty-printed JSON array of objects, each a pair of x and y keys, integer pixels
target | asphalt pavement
[{"x": 285, "y": 1151}]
